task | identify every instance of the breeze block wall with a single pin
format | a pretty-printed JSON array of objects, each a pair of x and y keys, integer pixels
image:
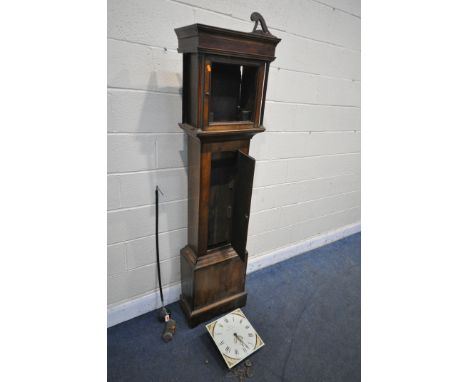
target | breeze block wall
[{"x": 307, "y": 179}]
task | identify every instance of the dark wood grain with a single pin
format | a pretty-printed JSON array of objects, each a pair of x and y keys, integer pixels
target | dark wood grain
[
  {"x": 223, "y": 173},
  {"x": 242, "y": 198},
  {"x": 194, "y": 155},
  {"x": 204, "y": 202}
]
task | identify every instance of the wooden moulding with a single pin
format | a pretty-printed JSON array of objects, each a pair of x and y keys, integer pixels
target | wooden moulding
[
  {"x": 200, "y": 38},
  {"x": 233, "y": 133}
]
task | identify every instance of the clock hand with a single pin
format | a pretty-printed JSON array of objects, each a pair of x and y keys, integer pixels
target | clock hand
[{"x": 239, "y": 339}]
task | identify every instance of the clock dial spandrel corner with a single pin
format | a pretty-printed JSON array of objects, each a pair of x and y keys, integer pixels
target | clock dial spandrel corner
[
  {"x": 238, "y": 312},
  {"x": 210, "y": 327},
  {"x": 230, "y": 362},
  {"x": 259, "y": 343}
]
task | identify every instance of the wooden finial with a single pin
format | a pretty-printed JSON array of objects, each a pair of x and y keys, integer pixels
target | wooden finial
[{"x": 257, "y": 17}]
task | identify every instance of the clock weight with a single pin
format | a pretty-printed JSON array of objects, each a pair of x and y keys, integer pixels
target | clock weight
[
  {"x": 169, "y": 330},
  {"x": 162, "y": 313}
]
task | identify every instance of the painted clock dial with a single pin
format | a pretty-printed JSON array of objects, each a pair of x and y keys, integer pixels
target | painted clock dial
[{"x": 235, "y": 337}]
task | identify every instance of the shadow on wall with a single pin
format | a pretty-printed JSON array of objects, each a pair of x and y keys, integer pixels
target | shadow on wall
[
  {"x": 164, "y": 143},
  {"x": 162, "y": 147}
]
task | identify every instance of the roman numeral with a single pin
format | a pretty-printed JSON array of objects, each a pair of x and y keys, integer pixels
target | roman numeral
[
  {"x": 228, "y": 349},
  {"x": 250, "y": 334}
]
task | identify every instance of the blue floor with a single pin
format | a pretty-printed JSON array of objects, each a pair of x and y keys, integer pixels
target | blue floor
[{"x": 306, "y": 309}]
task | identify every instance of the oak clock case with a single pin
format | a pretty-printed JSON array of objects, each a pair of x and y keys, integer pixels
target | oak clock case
[{"x": 225, "y": 76}]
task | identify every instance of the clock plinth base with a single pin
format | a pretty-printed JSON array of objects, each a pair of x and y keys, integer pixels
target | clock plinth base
[
  {"x": 195, "y": 317},
  {"x": 211, "y": 284}
]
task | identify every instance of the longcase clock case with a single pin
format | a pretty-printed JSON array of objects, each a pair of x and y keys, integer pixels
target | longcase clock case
[{"x": 225, "y": 76}]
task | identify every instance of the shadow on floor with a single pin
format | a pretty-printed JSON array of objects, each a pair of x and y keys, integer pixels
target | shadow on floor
[{"x": 306, "y": 309}]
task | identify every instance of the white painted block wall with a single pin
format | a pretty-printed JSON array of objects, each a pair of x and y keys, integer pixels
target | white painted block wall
[{"x": 307, "y": 179}]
